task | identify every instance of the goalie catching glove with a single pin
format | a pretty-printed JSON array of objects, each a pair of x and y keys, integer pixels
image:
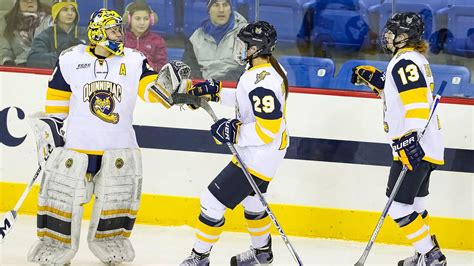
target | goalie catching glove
[
  {"x": 369, "y": 76},
  {"x": 209, "y": 89},
  {"x": 226, "y": 130},
  {"x": 409, "y": 150},
  {"x": 172, "y": 78},
  {"x": 48, "y": 133}
]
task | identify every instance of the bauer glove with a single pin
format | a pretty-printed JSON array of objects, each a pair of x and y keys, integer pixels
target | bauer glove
[
  {"x": 226, "y": 130},
  {"x": 369, "y": 76},
  {"x": 209, "y": 89},
  {"x": 409, "y": 150}
]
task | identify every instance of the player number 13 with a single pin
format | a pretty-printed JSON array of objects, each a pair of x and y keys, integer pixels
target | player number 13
[
  {"x": 412, "y": 72},
  {"x": 265, "y": 104}
]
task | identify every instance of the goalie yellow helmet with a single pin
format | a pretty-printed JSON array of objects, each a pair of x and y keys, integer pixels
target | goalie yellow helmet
[{"x": 99, "y": 23}]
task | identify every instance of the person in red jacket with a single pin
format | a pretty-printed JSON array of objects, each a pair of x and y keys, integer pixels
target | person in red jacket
[{"x": 138, "y": 18}]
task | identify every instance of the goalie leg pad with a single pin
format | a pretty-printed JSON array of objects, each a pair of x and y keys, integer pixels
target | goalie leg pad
[
  {"x": 117, "y": 197},
  {"x": 63, "y": 190}
]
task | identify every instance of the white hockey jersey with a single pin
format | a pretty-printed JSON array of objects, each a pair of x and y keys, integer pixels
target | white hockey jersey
[
  {"x": 98, "y": 97},
  {"x": 407, "y": 100},
  {"x": 260, "y": 105}
]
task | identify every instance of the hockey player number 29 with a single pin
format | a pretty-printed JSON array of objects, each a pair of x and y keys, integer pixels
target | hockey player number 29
[
  {"x": 265, "y": 105},
  {"x": 412, "y": 72}
]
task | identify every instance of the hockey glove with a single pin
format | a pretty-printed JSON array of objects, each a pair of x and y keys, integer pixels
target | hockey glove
[
  {"x": 409, "y": 150},
  {"x": 226, "y": 130},
  {"x": 209, "y": 89},
  {"x": 369, "y": 76},
  {"x": 48, "y": 133}
]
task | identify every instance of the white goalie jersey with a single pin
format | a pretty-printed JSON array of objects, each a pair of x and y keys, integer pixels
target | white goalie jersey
[
  {"x": 98, "y": 97},
  {"x": 260, "y": 102},
  {"x": 407, "y": 100}
]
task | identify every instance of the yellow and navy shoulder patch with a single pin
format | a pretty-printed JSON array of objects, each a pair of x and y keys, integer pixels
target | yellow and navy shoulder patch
[{"x": 261, "y": 76}]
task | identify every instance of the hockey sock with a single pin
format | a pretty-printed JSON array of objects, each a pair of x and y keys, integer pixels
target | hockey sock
[
  {"x": 426, "y": 218},
  {"x": 416, "y": 231},
  {"x": 259, "y": 228},
  {"x": 208, "y": 233}
]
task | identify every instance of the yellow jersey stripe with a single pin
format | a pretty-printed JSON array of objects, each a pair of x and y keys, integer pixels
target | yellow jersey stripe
[
  {"x": 57, "y": 109},
  {"x": 272, "y": 125},
  {"x": 57, "y": 95},
  {"x": 264, "y": 137},
  {"x": 420, "y": 113},
  {"x": 418, "y": 95},
  {"x": 144, "y": 83}
]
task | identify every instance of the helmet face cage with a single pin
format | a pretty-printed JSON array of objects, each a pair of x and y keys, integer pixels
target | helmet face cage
[
  {"x": 260, "y": 34},
  {"x": 99, "y": 22},
  {"x": 240, "y": 51},
  {"x": 408, "y": 23}
]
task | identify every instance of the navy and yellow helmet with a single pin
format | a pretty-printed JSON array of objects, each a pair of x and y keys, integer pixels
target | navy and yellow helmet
[
  {"x": 409, "y": 23},
  {"x": 99, "y": 22}
]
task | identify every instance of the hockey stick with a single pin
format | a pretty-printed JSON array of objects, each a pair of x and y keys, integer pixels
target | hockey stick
[
  {"x": 10, "y": 217},
  {"x": 364, "y": 256},
  {"x": 201, "y": 102}
]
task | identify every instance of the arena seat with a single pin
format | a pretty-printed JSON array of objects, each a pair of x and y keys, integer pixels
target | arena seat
[
  {"x": 286, "y": 16},
  {"x": 308, "y": 71},
  {"x": 460, "y": 22},
  {"x": 458, "y": 78},
  {"x": 425, "y": 8}
]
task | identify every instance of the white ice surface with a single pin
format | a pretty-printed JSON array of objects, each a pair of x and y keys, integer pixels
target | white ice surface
[{"x": 157, "y": 245}]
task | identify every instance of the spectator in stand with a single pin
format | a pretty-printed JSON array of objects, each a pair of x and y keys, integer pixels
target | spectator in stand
[
  {"x": 49, "y": 44},
  {"x": 138, "y": 19},
  {"x": 22, "y": 23},
  {"x": 209, "y": 51}
]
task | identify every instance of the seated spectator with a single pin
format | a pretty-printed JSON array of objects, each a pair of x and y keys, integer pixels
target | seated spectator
[
  {"x": 49, "y": 44},
  {"x": 22, "y": 23},
  {"x": 209, "y": 50},
  {"x": 138, "y": 19}
]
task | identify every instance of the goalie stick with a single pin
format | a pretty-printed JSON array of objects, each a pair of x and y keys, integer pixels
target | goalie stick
[
  {"x": 364, "y": 256},
  {"x": 9, "y": 218},
  {"x": 179, "y": 98}
]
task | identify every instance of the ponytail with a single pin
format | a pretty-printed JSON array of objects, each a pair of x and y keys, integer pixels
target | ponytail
[{"x": 280, "y": 71}]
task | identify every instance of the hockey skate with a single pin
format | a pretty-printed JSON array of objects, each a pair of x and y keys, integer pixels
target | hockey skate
[
  {"x": 433, "y": 258},
  {"x": 196, "y": 259},
  {"x": 263, "y": 255}
]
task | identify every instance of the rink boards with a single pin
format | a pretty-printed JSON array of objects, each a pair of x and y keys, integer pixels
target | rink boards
[{"x": 331, "y": 185}]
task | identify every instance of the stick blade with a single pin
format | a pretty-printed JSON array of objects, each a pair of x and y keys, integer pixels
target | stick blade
[
  {"x": 7, "y": 224},
  {"x": 359, "y": 264}
]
